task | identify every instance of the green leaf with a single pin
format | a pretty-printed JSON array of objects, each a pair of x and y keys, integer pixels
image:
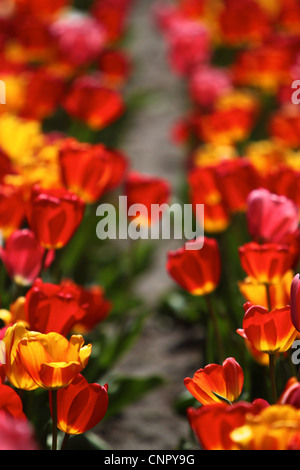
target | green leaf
[{"x": 112, "y": 346}]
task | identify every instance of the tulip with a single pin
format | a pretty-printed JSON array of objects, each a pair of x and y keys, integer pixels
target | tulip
[
  {"x": 217, "y": 383},
  {"x": 112, "y": 15},
  {"x": 96, "y": 307},
  {"x": 16, "y": 433},
  {"x": 188, "y": 46},
  {"x": 236, "y": 179},
  {"x": 54, "y": 215},
  {"x": 92, "y": 103},
  {"x": 51, "y": 360},
  {"x": 206, "y": 84},
  {"x": 79, "y": 38},
  {"x": 196, "y": 271},
  {"x": 23, "y": 257},
  {"x": 204, "y": 189},
  {"x": 221, "y": 420},
  {"x": 14, "y": 369},
  {"x": 114, "y": 67},
  {"x": 148, "y": 191},
  {"x": 277, "y": 296},
  {"x": 270, "y": 218},
  {"x": 45, "y": 9},
  {"x": 291, "y": 393},
  {"x": 43, "y": 94},
  {"x": 295, "y": 305},
  {"x": 86, "y": 170},
  {"x": 266, "y": 263},
  {"x": 11, "y": 402},
  {"x": 254, "y": 27},
  {"x": 270, "y": 332},
  {"x": 53, "y": 308},
  {"x": 80, "y": 406},
  {"x": 277, "y": 427},
  {"x": 12, "y": 209}
]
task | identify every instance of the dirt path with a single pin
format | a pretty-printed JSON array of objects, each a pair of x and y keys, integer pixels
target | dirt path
[{"x": 164, "y": 348}]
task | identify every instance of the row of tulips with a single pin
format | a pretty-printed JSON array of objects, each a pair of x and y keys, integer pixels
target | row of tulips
[
  {"x": 65, "y": 69},
  {"x": 238, "y": 60}
]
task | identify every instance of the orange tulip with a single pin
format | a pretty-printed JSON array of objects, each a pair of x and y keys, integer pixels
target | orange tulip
[
  {"x": 80, "y": 406},
  {"x": 269, "y": 332},
  {"x": 277, "y": 427},
  {"x": 256, "y": 293},
  {"x": 216, "y": 381},
  {"x": 14, "y": 369},
  {"x": 51, "y": 360},
  {"x": 221, "y": 420},
  {"x": 266, "y": 263}
]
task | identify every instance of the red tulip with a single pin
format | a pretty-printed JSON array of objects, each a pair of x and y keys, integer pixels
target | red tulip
[
  {"x": 23, "y": 257},
  {"x": 146, "y": 190},
  {"x": 12, "y": 209},
  {"x": 266, "y": 263},
  {"x": 53, "y": 308},
  {"x": 196, "y": 271},
  {"x": 270, "y": 218},
  {"x": 112, "y": 15},
  {"x": 11, "y": 402},
  {"x": 291, "y": 393},
  {"x": 268, "y": 332},
  {"x": 88, "y": 170},
  {"x": 45, "y": 9},
  {"x": 115, "y": 67},
  {"x": 236, "y": 179},
  {"x": 221, "y": 420},
  {"x": 54, "y": 215},
  {"x": 242, "y": 22},
  {"x": 96, "y": 306},
  {"x": 43, "y": 94},
  {"x": 216, "y": 381},
  {"x": 89, "y": 101},
  {"x": 80, "y": 406}
]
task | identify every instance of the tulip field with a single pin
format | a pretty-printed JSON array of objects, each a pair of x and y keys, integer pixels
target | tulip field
[{"x": 150, "y": 266}]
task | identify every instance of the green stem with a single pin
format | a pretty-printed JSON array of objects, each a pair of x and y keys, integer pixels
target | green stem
[
  {"x": 269, "y": 302},
  {"x": 54, "y": 419},
  {"x": 214, "y": 320},
  {"x": 65, "y": 441},
  {"x": 272, "y": 377}
]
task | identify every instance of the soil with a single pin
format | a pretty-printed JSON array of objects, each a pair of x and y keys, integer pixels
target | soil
[{"x": 165, "y": 348}]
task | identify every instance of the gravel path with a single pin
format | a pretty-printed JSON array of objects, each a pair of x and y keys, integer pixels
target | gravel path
[{"x": 163, "y": 349}]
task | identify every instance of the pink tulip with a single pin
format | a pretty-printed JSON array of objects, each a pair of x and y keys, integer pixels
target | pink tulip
[
  {"x": 16, "y": 433},
  {"x": 23, "y": 257},
  {"x": 271, "y": 218}
]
